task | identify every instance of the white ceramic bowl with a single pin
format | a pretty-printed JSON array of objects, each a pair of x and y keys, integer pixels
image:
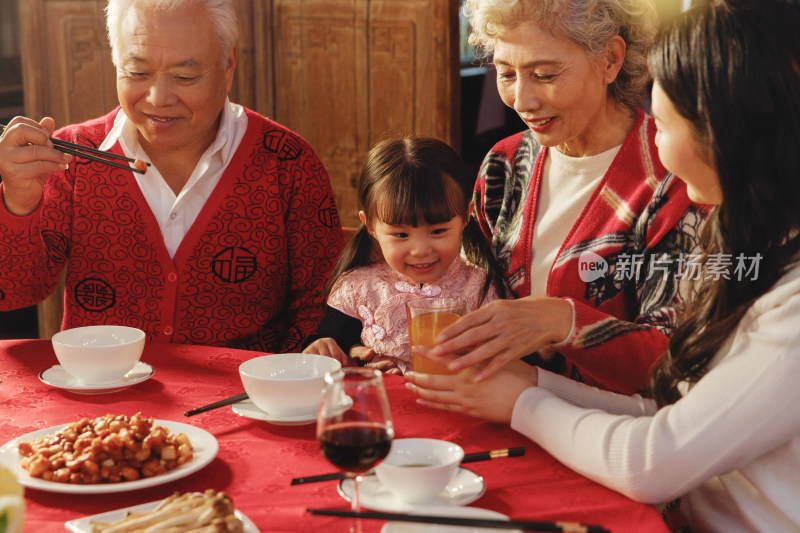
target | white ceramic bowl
[
  {"x": 417, "y": 470},
  {"x": 286, "y": 384},
  {"x": 98, "y": 355}
]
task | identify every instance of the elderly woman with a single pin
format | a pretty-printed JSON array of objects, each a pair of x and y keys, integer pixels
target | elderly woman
[
  {"x": 228, "y": 237},
  {"x": 588, "y": 225}
]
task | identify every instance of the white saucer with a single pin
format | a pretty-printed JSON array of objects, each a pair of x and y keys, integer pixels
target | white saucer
[
  {"x": 57, "y": 377},
  {"x": 248, "y": 409},
  {"x": 460, "y": 512},
  {"x": 465, "y": 488}
]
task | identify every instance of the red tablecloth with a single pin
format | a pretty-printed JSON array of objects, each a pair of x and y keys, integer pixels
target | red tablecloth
[{"x": 257, "y": 460}]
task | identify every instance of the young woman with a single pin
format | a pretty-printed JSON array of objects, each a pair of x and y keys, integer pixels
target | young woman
[
  {"x": 414, "y": 196},
  {"x": 724, "y": 428}
]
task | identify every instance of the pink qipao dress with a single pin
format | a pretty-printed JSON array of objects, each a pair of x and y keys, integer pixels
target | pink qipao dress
[{"x": 377, "y": 295}]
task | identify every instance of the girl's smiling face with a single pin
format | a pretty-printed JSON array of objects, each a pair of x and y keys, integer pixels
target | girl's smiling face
[{"x": 423, "y": 252}]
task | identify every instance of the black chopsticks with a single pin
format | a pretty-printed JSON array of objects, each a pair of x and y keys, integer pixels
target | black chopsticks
[
  {"x": 468, "y": 458},
  {"x": 86, "y": 152},
  {"x": 227, "y": 401},
  {"x": 526, "y": 525},
  {"x": 493, "y": 454},
  {"x": 321, "y": 477},
  {"x": 95, "y": 155}
]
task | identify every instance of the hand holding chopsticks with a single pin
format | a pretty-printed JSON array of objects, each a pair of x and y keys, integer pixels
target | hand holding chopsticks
[
  {"x": 87, "y": 152},
  {"x": 26, "y": 161},
  {"x": 468, "y": 458},
  {"x": 525, "y": 525}
]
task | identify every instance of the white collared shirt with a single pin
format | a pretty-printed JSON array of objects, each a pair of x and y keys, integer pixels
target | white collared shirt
[{"x": 176, "y": 213}]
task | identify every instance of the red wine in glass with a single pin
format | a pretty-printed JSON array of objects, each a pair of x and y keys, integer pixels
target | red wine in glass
[
  {"x": 354, "y": 424},
  {"x": 355, "y": 446}
]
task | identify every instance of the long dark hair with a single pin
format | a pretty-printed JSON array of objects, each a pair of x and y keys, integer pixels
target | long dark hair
[
  {"x": 414, "y": 179},
  {"x": 732, "y": 69}
]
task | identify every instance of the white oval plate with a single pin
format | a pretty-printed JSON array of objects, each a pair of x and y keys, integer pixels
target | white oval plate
[
  {"x": 465, "y": 488},
  {"x": 83, "y": 525},
  {"x": 460, "y": 512},
  {"x": 205, "y": 449},
  {"x": 248, "y": 409},
  {"x": 57, "y": 377}
]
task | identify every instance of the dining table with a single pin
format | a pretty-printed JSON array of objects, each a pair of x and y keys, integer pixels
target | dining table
[{"x": 257, "y": 460}]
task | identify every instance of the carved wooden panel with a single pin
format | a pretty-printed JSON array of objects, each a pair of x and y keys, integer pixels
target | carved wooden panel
[
  {"x": 66, "y": 66},
  {"x": 348, "y": 73}
]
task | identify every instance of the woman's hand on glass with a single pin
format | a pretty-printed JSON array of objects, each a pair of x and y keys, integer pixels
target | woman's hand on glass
[
  {"x": 503, "y": 331},
  {"x": 491, "y": 399}
]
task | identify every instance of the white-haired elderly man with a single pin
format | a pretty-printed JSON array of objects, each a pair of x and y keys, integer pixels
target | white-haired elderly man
[{"x": 228, "y": 237}]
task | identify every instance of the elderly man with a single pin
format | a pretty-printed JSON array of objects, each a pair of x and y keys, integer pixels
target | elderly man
[{"x": 227, "y": 238}]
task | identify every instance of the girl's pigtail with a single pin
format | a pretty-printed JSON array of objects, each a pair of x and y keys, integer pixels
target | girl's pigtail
[
  {"x": 357, "y": 253},
  {"x": 478, "y": 251}
]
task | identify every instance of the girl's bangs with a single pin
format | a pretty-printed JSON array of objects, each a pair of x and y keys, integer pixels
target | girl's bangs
[{"x": 414, "y": 198}]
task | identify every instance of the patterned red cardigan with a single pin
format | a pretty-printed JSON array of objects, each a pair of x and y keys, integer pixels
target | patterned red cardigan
[
  {"x": 639, "y": 217},
  {"x": 248, "y": 274}
]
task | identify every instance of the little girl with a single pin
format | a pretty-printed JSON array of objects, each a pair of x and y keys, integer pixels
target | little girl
[{"x": 415, "y": 200}]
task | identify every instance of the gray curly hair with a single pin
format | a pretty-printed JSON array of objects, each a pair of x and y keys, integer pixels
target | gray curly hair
[
  {"x": 589, "y": 23},
  {"x": 222, "y": 13}
]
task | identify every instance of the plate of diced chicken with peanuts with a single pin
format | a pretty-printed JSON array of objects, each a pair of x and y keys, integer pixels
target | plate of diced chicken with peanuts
[{"x": 110, "y": 453}]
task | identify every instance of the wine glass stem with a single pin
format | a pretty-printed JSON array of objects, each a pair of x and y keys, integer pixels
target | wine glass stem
[{"x": 356, "y": 502}]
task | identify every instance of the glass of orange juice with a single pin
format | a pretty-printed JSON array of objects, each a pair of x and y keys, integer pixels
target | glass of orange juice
[{"x": 427, "y": 317}]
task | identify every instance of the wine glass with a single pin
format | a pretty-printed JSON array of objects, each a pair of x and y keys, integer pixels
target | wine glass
[{"x": 354, "y": 424}]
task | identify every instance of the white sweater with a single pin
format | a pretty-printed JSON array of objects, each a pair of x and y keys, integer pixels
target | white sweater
[{"x": 730, "y": 446}]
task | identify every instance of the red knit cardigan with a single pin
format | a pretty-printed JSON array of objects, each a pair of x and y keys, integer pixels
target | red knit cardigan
[{"x": 639, "y": 221}]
